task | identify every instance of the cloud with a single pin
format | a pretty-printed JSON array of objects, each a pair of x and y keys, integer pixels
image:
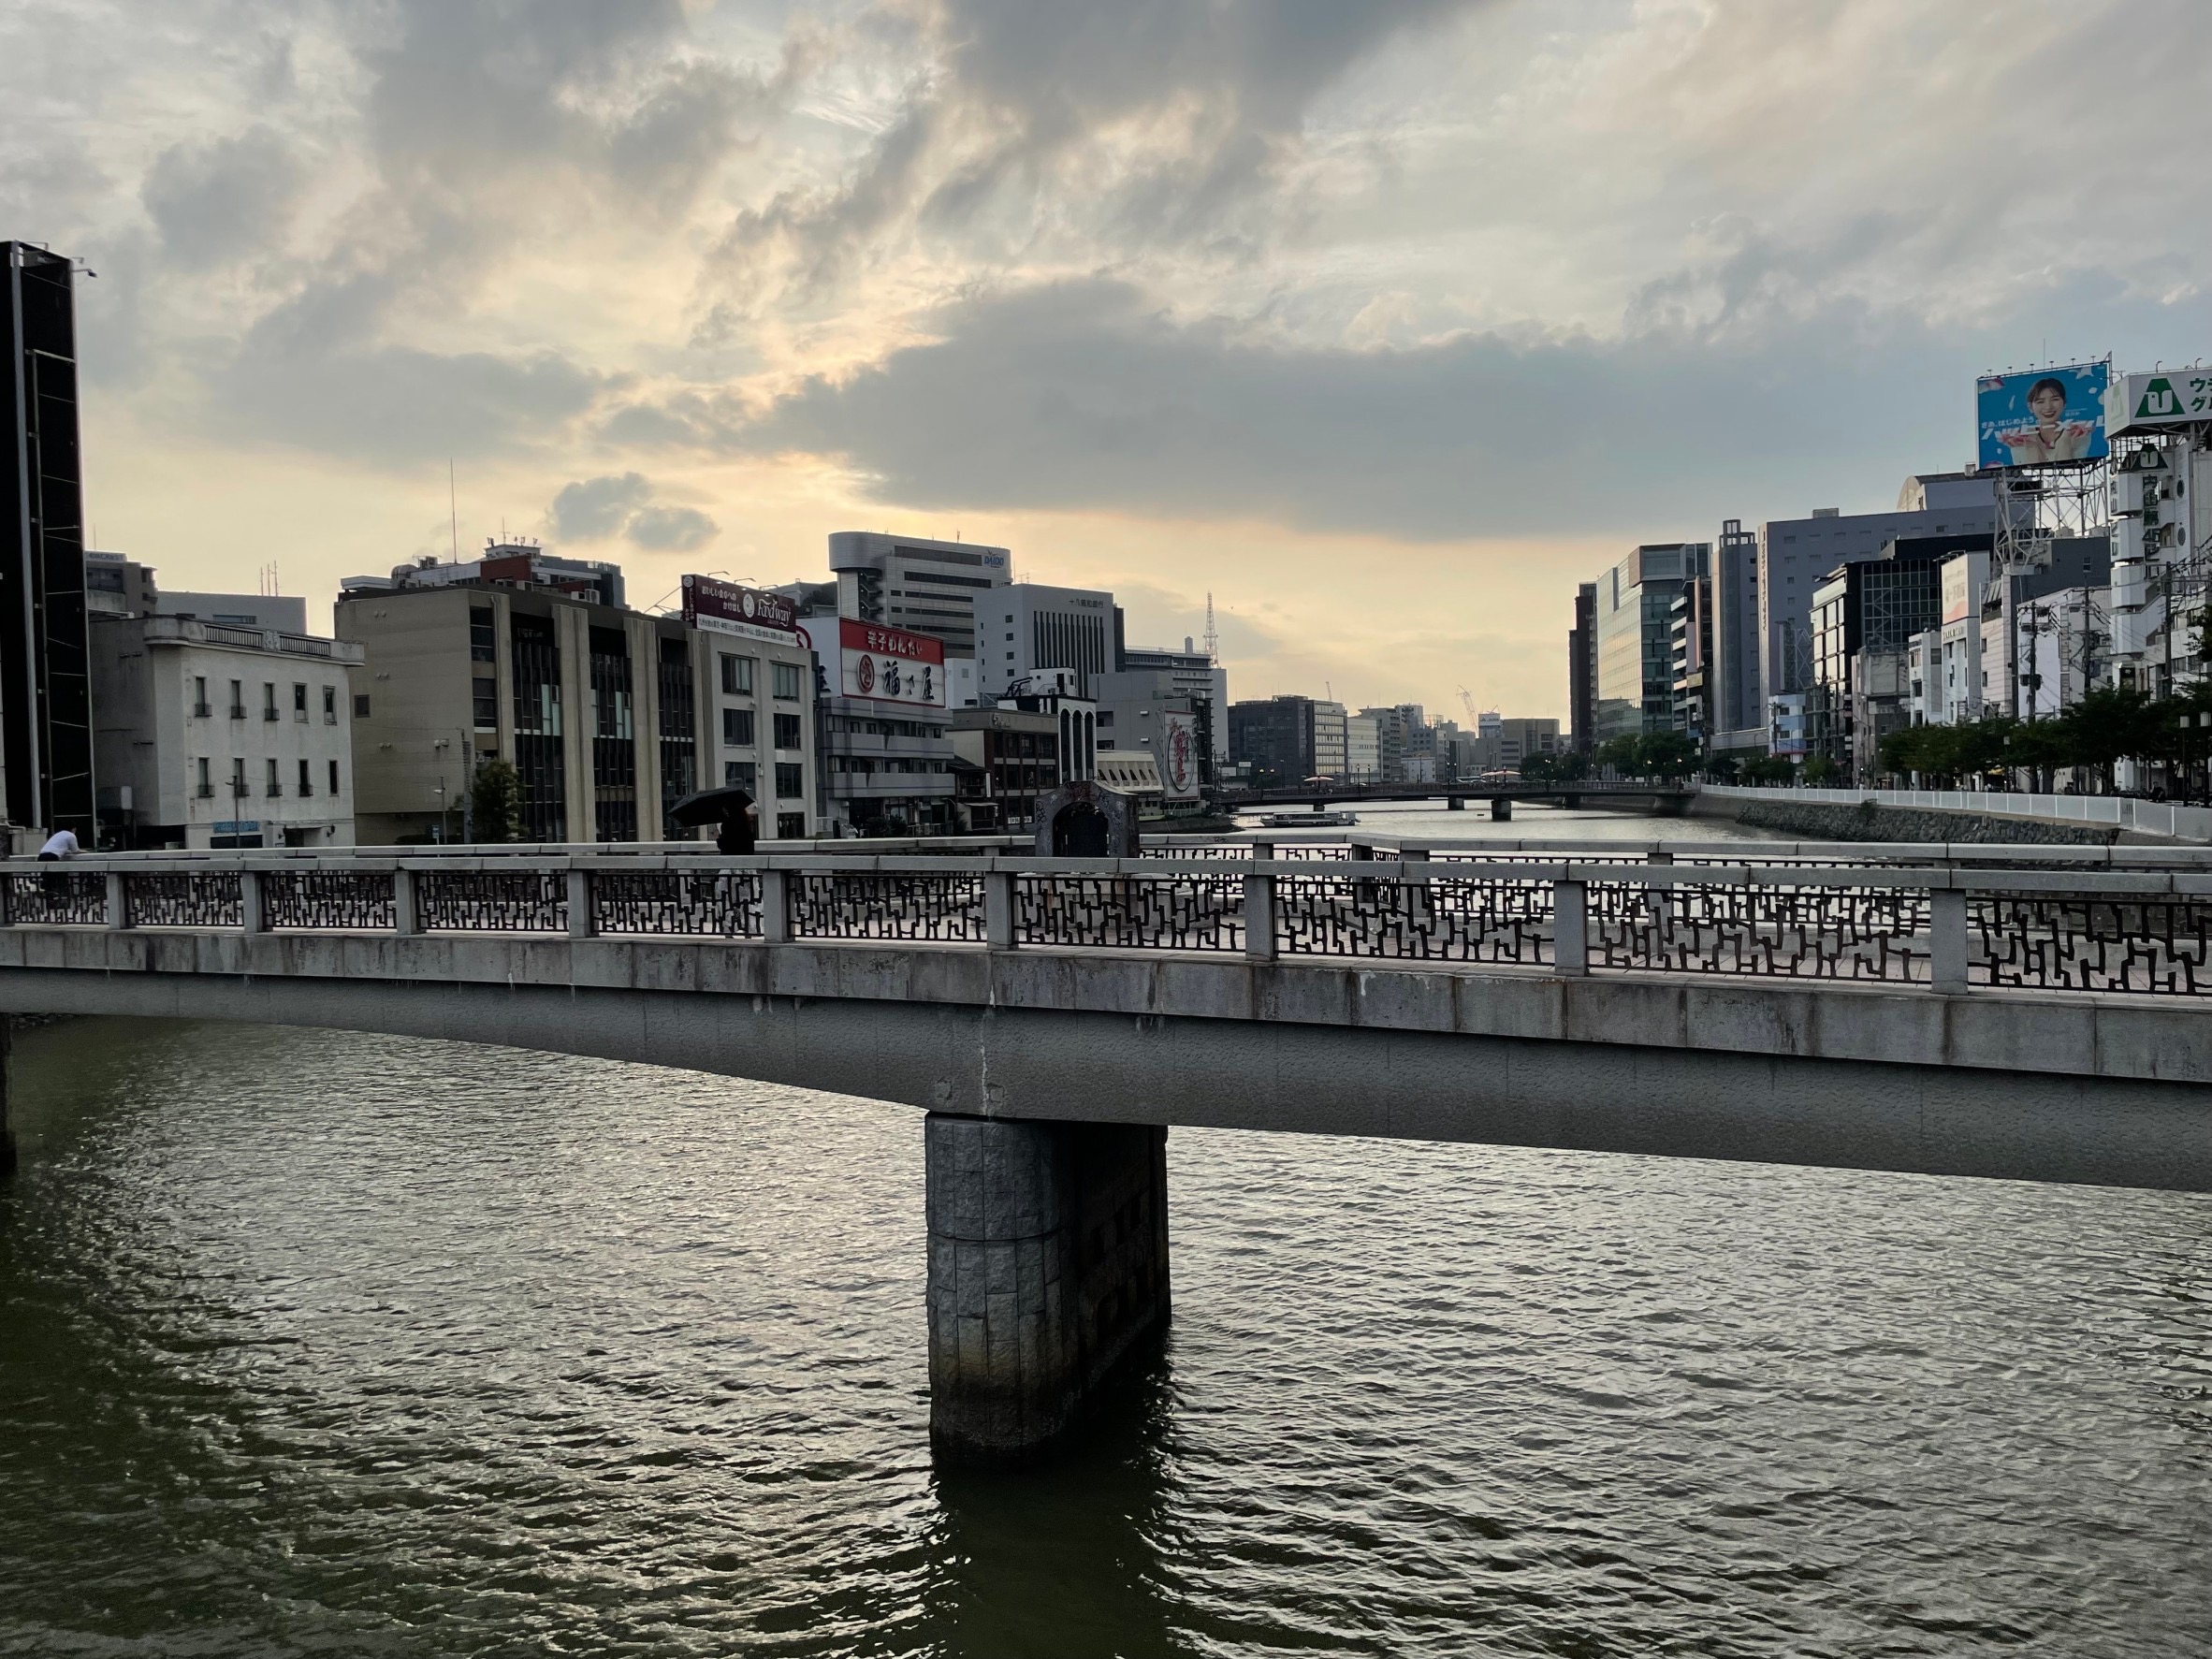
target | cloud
[
  {"x": 222, "y": 200},
  {"x": 599, "y": 509}
]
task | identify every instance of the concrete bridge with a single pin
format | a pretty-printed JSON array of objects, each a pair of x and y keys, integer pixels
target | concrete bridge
[
  {"x": 1667, "y": 799},
  {"x": 2036, "y": 1013}
]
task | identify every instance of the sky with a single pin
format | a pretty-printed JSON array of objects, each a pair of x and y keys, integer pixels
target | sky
[{"x": 1385, "y": 323}]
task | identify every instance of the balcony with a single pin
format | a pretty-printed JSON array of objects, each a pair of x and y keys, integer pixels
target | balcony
[
  {"x": 270, "y": 714},
  {"x": 200, "y": 711},
  {"x": 240, "y": 787},
  {"x": 206, "y": 791},
  {"x": 238, "y": 711}
]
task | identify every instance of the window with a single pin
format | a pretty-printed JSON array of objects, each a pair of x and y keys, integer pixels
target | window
[
  {"x": 239, "y": 785},
  {"x": 787, "y": 680},
  {"x": 791, "y": 826},
  {"x": 329, "y": 705},
  {"x": 307, "y": 778},
  {"x": 737, "y": 727},
  {"x": 268, "y": 707},
  {"x": 787, "y": 732},
  {"x": 738, "y": 676},
  {"x": 361, "y": 705},
  {"x": 481, "y": 634},
  {"x": 744, "y": 773},
  {"x": 299, "y": 700},
  {"x": 790, "y": 781},
  {"x": 206, "y": 785},
  {"x": 276, "y": 782},
  {"x": 199, "y": 696},
  {"x": 333, "y": 777},
  {"x": 487, "y": 698},
  {"x": 237, "y": 699}
]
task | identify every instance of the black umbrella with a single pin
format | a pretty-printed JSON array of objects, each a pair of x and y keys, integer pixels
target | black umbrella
[{"x": 711, "y": 805}]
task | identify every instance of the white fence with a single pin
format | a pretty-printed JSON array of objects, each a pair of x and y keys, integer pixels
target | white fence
[{"x": 2150, "y": 818}]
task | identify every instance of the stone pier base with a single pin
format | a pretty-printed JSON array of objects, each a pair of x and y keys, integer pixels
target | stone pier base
[
  {"x": 1048, "y": 1268},
  {"x": 1502, "y": 810}
]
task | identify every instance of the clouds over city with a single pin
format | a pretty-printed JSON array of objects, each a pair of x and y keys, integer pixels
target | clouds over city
[{"x": 1449, "y": 271}]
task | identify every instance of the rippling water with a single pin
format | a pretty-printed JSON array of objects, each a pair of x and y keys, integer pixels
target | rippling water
[{"x": 313, "y": 1343}]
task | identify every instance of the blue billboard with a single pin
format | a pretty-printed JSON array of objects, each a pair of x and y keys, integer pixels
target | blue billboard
[{"x": 2040, "y": 417}]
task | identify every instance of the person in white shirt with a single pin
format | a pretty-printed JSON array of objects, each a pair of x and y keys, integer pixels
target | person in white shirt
[{"x": 59, "y": 845}]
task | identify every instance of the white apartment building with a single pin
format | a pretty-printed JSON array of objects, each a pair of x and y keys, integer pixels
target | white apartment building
[
  {"x": 1362, "y": 749},
  {"x": 210, "y": 735}
]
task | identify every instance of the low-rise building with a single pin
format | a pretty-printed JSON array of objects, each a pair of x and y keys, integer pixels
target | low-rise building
[
  {"x": 212, "y": 735},
  {"x": 884, "y": 710},
  {"x": 1006, "y": 760}
]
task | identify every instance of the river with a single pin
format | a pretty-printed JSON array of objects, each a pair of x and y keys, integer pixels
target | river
[{"x": 321, "y": 1344}]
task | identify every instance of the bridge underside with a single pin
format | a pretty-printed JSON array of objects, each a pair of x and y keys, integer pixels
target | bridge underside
[{"x": 1089, "y": 1065}]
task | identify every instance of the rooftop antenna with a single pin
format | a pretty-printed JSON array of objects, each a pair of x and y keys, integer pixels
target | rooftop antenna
[{"x": 453, "y": 509}]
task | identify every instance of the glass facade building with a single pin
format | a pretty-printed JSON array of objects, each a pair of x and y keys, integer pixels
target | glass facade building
[{"x": 1635, "y": 647}]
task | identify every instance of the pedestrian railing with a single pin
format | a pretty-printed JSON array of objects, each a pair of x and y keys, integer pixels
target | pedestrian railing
[{"x": 2126, "y": 921}]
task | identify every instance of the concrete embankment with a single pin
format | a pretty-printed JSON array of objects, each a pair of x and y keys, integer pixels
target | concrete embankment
[{"x": 1872, "y": 820}]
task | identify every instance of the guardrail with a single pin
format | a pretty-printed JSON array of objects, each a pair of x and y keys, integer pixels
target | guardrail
[
  {"x": 2036, "y": 926},
  {"x": 2126, "y": 812}
]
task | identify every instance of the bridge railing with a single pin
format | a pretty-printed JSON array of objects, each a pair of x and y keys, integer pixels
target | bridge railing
[{"x": 2056, "y": 921}]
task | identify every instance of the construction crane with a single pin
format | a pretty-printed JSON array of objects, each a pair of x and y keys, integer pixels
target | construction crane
[{"x": 1467, "y": 698}]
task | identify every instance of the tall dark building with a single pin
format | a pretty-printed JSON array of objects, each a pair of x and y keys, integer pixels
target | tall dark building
[
  {"x": 1582, "y": 670},
  {"x": 46, "y": 735}
]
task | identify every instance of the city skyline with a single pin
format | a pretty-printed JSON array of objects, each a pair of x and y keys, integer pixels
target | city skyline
[{"x": 1432, "y": 309}]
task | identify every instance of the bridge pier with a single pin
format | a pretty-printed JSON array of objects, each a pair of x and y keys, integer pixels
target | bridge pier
[
  {"x": 1501, "y": 810},
  {"x": 1048, "y": 1268},
  {"x": 1455, "y": 803}
]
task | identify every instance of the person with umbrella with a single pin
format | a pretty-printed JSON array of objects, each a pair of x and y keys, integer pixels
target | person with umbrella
[{"x": 730, "y": 806}]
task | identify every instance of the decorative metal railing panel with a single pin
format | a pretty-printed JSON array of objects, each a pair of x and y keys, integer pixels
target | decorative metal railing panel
[
  {"x": 1208, "y": 852},
  {"x": 491, "y": 901},
  {"x": 60, "y": 898},
  {"x": 1313, "y": 853},
  {"x": 709, "y": 904},
  {"x": 2035, "y": 941},
  {"x": 1485, "y": 919},
  {"x": 327, "y": 900},
  {"x": 1878, "y": 934},
  {"x": 921, "y": 906},
  {"x": 1131, "y": 912},
  {"x": 184, "y": 898}
]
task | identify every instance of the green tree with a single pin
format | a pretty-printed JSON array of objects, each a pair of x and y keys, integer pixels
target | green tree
[
  {"x": 495, "y": 801},
  {"x": 1822, "y": 771},
  {"x": 1666, "y": 754}
]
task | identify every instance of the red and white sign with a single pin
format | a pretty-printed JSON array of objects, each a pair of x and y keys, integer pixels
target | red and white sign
[
  {"x": 1178, "y": 756},
  {"x": 888, "y": 664},
  {"x": 722, "y": 607}
]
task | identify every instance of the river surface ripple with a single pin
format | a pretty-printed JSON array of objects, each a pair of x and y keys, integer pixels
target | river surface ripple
[{"x": 313, "y": 1343}]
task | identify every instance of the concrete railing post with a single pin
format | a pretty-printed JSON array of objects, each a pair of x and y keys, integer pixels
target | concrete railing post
[
  {"x": 1259, "y": 918},
  {"x": 1570, "y": 928},
  {"x": 252, "y": 915},
  {"x": 119, "y": 913},
  {"x": 1262, "y": 851},
  {"x": 1947, "y": 940},
  {"x": 998, "y": 909},
  {"x": 582, "y": 924},
  {"x": 406, "y": 918},
  {"x": 776, "y": 907}
]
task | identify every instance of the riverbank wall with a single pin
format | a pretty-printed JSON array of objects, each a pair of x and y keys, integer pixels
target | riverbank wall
[{"x": 1872, "y": 820}]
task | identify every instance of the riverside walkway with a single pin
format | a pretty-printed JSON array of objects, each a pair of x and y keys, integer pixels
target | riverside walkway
[{"x": 2041, "y": 1014}]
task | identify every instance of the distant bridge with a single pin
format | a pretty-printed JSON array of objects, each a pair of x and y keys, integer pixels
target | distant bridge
[
  {"x": 1667, "y": 798},
  {"x": 2036, "y": 1013}
]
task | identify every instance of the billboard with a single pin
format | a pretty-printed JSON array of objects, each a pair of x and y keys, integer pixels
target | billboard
[
  {"x": 2043, "y": 417},
  {"x": 2154, "y": 402},
  {"x": 890, "y": 664},
  {"x": 722, "y": 607},
  {"x": 1178, "y": 756}
]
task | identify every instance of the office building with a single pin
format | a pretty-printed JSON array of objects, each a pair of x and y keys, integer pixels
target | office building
[
  {"x": 1005, "y": 759},
  {"x": 1148, "y": 710},
  {"x": 1026, "y": 628},
  {"x": 1867, "y": 615},
  {"x": 46, "y": 720},
  {"x": 1582, "y": 670},
  {"x": 1635, "y": 645},
  {"x": 1403, "y": 742},
  {"x": 924, "y": 587},
  {"x": 607, "y": 715},
  {"x": 1690, "y": 653},
  {"x": 885, "y": 714},
  {"x": 1732, "y": 695},
  {"x": 1362, "y": 749},
  {"x": 115, "y": 585},
  {"x": 1795, "y": 555},
  {"x": 1502, "y": 745},
  {"x": 1275, "y": 736},
  {"x": 213, "y": 734},
  {"x": 1189, "y": 672}
]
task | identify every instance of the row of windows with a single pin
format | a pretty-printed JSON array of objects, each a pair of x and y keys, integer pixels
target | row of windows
[
  {"x": 737, "y": 730},
  {"x": 204, "y": 784},
  {"x": 737, "y": 678},
  {"x": 201, "y": 710},
  {"x": 791, "y": 781},
  {"x": 867, "y": 728},
  {"x": 867, "y": 765}
]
